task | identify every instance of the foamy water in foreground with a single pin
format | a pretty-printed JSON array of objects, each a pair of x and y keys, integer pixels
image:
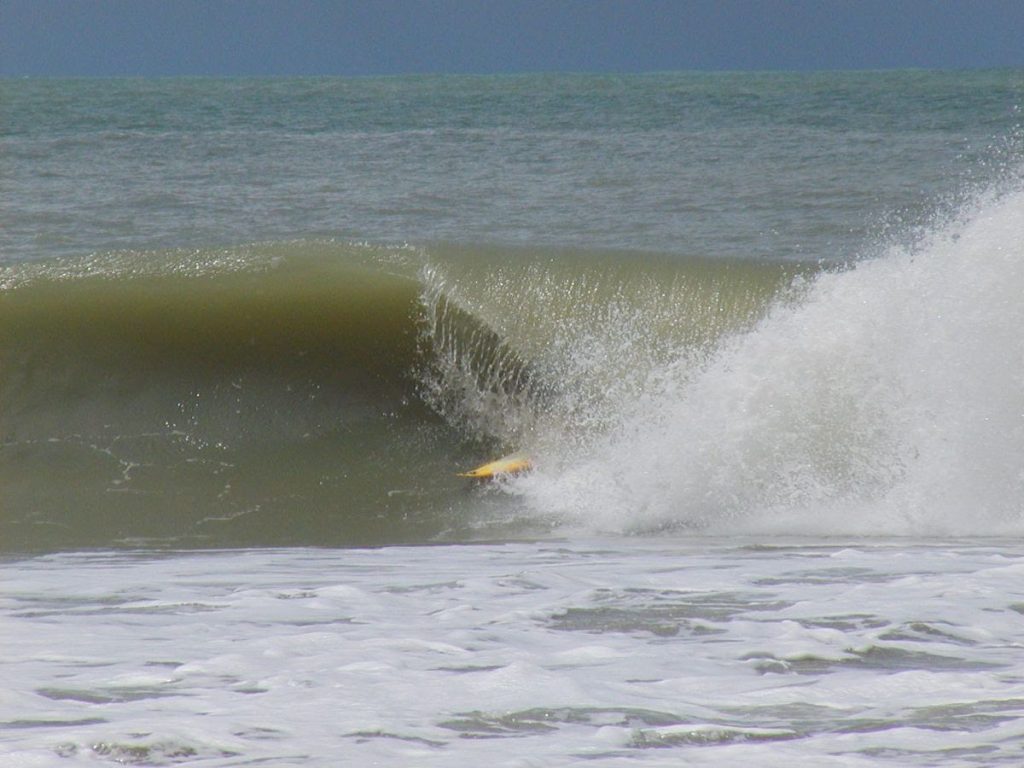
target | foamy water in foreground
[{"x": 605, "y": 652}]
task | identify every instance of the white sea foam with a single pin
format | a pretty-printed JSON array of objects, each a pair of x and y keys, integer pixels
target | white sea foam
[{"x": 653, "y": 652}]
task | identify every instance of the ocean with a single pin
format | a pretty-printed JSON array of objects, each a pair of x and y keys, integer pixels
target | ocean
[{"x": 759, "y": 334}]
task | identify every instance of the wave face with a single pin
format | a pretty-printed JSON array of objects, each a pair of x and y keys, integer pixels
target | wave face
[
  {"x": 323, "y": 392},
  {"x": 887, "y": 399}
]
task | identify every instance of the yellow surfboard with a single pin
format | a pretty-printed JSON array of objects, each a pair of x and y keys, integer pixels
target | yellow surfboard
[{"x": 512, "y": 464}]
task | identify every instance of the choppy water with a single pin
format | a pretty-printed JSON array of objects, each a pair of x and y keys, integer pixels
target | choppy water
[
  {"x": 759, "y": 333},
  {"x": 773, "y": 165}
]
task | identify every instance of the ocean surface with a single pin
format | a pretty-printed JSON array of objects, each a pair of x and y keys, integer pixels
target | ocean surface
[{"x": 760, "y": 334}]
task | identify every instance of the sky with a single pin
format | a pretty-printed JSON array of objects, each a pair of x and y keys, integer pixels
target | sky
[{"x": 59, "y": 38}]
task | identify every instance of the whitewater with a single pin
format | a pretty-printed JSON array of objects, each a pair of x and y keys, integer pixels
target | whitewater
[
  {"x": 759, "y": 334},
  {"x": 659, "y": 651},
  {"x": 887, "y": 399}
]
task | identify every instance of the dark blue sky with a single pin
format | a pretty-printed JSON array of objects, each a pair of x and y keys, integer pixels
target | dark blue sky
[{"x": 346, "y": 37}]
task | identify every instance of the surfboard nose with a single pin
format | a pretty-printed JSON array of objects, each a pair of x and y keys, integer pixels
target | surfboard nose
[{"x": 513, "y": 464}]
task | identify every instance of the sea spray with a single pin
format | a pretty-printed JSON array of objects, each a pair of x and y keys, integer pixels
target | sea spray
[
  {"x": 472, "y": 377},
  {"x": 542, "y": 351},
  {"x": 889, "y": 400}
]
